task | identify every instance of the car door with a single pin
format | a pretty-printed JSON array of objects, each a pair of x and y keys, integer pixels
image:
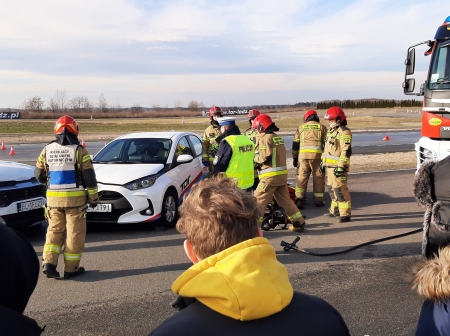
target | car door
[{"x": 186, "y": 173}]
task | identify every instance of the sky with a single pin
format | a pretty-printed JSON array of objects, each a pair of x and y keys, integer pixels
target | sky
[{"x": 223, "y": 52}]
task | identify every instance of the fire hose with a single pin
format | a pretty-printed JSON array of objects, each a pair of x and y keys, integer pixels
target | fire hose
[{"x": 293, "y": 246}]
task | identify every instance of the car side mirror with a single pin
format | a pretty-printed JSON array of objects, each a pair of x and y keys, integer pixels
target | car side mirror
[{"x": 184, "y": 158}]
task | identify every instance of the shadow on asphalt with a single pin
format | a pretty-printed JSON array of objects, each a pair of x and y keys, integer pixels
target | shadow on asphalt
[
  {"x": 365, "y": 252},
  {"x": 94, "y": 276},
  {"x": 103, "y": 232}
]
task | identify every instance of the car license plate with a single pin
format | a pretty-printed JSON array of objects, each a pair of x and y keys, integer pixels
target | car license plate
[
  {"x": 30, "y": 205},
  {"x": 100, "y": 208}
]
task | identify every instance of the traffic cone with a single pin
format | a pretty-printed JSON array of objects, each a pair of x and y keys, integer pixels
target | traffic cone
[
  {"x": 3, "y": 146},
  {"x": 83, "y": 143},
  {"x": 12, "y": 152},
  {"x": 386, "y": 138}
]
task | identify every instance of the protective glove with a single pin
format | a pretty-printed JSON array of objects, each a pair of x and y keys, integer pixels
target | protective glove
[
  {"x": 322, "y": 168},
  {"x": 257, "y": 165},
  {"x": 295, "y": 163},
  {"x": 339, "y": 171},
  {"x": 206, "y": 163}
]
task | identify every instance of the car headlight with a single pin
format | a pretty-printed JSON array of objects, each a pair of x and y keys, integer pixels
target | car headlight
[{"x": 142, "y": 183}]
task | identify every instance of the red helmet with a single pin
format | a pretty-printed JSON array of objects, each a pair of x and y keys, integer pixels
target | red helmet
[
  {"x": 253, "y": 114},
  {"x": 308, "y": 114},
  {"x": 335, "y": 113},
  {"x": 215, "y": 110},
  {"x": 66, "y": 124},
  {"x": 262, "y": 122}
]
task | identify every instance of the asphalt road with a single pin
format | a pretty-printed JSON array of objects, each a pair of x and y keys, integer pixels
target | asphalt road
[
  {"x": 126, "y": 290},
  {"x": 363, "y": 143}
]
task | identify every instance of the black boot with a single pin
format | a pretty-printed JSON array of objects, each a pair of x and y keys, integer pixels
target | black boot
[
  {"x": 79, "y": 271},
  {"x": 299, "y": 203},
  {"x": 344, "y": 219},
  {"x": 50, "y": 271}
]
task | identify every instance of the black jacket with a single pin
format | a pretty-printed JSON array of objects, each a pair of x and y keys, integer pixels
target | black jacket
[
  {"x": 20, "y": 266},
  {"x": 306, "y": 315},
  {"x": 225, "y": 152}
]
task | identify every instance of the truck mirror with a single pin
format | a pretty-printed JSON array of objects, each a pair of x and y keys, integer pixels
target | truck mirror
[
  {"x": 408, "y": 85},
  {"x": 410, "y": 62}
]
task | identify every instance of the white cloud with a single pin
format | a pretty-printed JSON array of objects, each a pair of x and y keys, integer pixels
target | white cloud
[{"x": 164, "y": 49}]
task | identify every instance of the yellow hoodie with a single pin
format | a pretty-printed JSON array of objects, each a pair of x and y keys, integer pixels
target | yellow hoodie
[{"x": 244, "y": 282}]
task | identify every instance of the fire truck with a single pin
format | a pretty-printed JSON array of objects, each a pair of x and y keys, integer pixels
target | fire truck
[{"x": 435, "y": 141}]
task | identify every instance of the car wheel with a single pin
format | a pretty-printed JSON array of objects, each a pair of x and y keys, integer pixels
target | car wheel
[{"x": 169, "y": 210}]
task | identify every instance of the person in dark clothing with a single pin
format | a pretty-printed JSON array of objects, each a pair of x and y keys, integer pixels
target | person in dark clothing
[
  {"x": 236, "y": 285},
  {"x": 235, "y": 155},
  {"x": 21, "y": 271},
  {"x": 431, "y": 279}
]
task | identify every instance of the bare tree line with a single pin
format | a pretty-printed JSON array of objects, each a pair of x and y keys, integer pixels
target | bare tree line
[{"x": 61, "y": 103}]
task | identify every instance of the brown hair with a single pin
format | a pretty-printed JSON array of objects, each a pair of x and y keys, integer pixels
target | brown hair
[{"x": 217, "y": 215}]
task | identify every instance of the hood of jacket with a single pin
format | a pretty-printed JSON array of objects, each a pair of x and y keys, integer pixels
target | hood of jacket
[
  {"x": 65, "y": 139},
  {"x": 244, "y": 282},
  {"x": 271, "y": 129},
  {"x": 432, "y": 281}
]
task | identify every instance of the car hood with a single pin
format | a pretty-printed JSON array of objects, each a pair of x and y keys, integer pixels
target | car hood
[
  {"x": 120, "y": 174},
  {"x": 14, "y": 171}
]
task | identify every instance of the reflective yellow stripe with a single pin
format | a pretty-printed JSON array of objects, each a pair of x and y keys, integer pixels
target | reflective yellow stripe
[
  {"x": 93, "y": 191},
  {"x": 294, "y": 152},
  {"x": 326, "y": 160},
  {"x": 262, "y": 147},
  {"x": 72, "y": 256},
  {"x": 299, "y": 190},
  {"x": 275, "y": 173},
  {"x": 65, "y": 193},
  {"x": 52, "y": 248},
  {"x": 345, "y": 205},
  {"x": 205, "y": 155},
  {"x": 295, "y": 216},
  {"x": 296, "y": 140},
  {"x": 310, "y": 151},
  {"x": 318, "y": 194},
  {"x": 40, "y": 158},
  {"x": 86, "y": 158}
]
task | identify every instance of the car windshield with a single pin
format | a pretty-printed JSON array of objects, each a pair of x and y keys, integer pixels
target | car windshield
[
  {"x": 131, "y": 151},
  {"x": 440, "y": 68}
]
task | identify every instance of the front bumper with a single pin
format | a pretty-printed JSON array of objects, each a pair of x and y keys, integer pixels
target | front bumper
[{"x": 127, "y": 205}]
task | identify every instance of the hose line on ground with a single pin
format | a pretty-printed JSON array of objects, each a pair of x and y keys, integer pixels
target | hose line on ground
[{"x": 293, "y": 246}]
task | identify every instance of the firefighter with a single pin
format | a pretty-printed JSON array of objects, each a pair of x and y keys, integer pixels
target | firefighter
[
  {"x": 209, "y": 144},
  {"x": 307, "y": 149},
  {"x": 253, "y": 135},
  {"x": 65, "y": 167},
  {"x": 271, "y": 163},
  {"x": 336, "y": 160},
  {"x": 235, "y": 155}
]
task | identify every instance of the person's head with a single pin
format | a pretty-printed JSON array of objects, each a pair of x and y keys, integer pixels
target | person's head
[
  {"x": 310, "y": 115},
  {"x": 66, "y": 125},
  {"x": 252, "y": 114},
  {"x": 225, "y": 123},
  {"x": 262, "y": 122},
  {"x": 215, "y": 216},
  {"x": 335, "y": 116},
  {"x": 214, "y": 113}
]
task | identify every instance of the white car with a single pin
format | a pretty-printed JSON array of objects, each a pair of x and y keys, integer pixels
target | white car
[
  {"x": 21, "y": 195},
  {"x": 143, "y": 177}
]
